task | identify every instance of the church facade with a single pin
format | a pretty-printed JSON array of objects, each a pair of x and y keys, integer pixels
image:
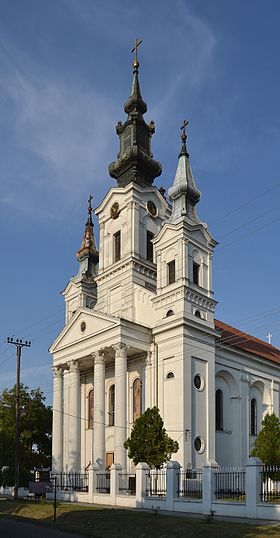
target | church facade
[{"x": 140, "y": 325}]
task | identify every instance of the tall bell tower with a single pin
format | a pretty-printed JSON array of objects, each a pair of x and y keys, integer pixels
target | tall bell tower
[
  {"x": 184, "y": 331},
  {"x": 130, "y": 216}
]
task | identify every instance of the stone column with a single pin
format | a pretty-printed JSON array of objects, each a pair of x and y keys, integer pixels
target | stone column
[
  {"x": 74, "y": 417},
  {"x": 147, "y": 393},
  {"x": 99, "y": 410},
  {"x": 57, "y": 437},
  {"x": 120, "y": 404}
]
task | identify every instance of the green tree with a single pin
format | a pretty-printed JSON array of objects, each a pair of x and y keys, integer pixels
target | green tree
[
  {"x": 149, "y": 441},
  {"x": 267, "y": 443},
  {"x": 35, "y": 433}
]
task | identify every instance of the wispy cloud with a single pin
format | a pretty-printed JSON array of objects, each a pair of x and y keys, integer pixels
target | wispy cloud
[{"x": 31, "y": 376}]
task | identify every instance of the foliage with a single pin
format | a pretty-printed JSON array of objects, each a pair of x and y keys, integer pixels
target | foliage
[
  {"x": 149, "y": 441},
  {"x": 35, "y": 433},
  {"x": 267, "y": 443}
]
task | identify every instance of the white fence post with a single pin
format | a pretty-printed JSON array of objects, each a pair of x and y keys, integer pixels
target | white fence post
[
  {"x": 115, "y": 469},
  {"x": 208, "y": 484},
  {"x": 92, "y": 482},
  {"x": 253, "y": 485},
  {"x": 141, "y": 482},
  {"x": 172, "y": 483}
]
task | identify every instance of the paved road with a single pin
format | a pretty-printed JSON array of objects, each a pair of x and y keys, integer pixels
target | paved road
[{"x": 17, "y": 529}]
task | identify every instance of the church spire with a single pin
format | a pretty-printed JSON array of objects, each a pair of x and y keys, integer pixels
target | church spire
[
  {"x": 88, "y": 255},
  {"x": 135, "y": 161},
  {"x": 184, "y": 193}
]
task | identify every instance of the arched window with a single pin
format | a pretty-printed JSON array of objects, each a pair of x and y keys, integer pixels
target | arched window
[
  {"x": 170, "y": 313},
  {"x": 170, "y": 375},
  {"x": 137, "y": 399},
  {"x": 253, "y": 417},
  {"x": 112, "y": 405},
  {"x": 219, "y": 410},
  {"x": 90, "y": 409},
  {"x": 197, "y": 314}
]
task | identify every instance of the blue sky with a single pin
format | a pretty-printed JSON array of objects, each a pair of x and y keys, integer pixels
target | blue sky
[{"x": 65, "y": 73}]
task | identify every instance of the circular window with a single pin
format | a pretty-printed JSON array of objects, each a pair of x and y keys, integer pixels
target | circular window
[
  {"x": 198, "y": 382},
  {"x": 83, "y": 326},
  {"x": 152, "y": 208},
  {"x": 199, "y": 445}
]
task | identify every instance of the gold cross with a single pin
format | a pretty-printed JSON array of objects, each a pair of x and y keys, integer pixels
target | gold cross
[{"x": 136, "y": 45}]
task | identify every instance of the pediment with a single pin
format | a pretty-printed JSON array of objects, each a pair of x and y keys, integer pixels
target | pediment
[{"x": 95, "y": 323}]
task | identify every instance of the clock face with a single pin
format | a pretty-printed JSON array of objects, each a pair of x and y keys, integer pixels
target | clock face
[
  {"x": 115, "y": 210},
  {"x": 152, "y": 208}
]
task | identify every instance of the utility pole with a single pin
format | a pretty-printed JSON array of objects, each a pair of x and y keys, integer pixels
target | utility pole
[{"x": 19, "y": 345}]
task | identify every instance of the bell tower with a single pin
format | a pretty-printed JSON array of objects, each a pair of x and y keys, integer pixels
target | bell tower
[
  {"x": 81, "y": 290},
  {"x": 130, "y": 216}
]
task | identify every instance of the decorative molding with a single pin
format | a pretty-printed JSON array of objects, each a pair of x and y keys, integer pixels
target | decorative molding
[{"x": 148, "y": 359}]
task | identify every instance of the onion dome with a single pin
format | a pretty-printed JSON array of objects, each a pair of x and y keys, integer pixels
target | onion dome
[{"x": 135, "y": 161}]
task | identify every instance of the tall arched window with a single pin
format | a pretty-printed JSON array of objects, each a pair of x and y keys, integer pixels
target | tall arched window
[
  {"x": 253, "y": 417},
  {"x": 112, "y": 405},
  {"x": 137, "y": 399},
  {"x": 219, "y": 410},
  {"x": 90, "y": 409}
]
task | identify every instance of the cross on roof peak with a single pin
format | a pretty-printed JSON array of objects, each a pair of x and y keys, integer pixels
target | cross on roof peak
[{"x": 135, "y": 50}]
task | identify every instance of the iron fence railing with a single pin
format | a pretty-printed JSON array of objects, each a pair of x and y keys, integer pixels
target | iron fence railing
[
  {"x": 190, "y": 484},
  {"x": 156, "y": 483},
  {"x": 127, "y": 483},
  {"x": 71, "y": 481},
  {"x": 270, "y": 484},
  {"x": 230, "y": 484},
  {"x": 103, "y": 482}
]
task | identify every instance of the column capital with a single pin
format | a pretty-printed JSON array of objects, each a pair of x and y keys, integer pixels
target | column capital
[
  {"x": 98, "y": 357},
  {"x": 120, "y": 350},
  {"x": 57, "y": 371},
  {"x": 74, "y": 367}
]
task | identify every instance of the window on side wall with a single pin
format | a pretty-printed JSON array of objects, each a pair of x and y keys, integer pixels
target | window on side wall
[
  {"x": 171, "y": 272},
  {"x": 219, "y": 410},
  {"x": 117, "y": 246},
  {"x": 150, "y": 249},
  {"x": 253, "y": 417},
  {"x": 137, "y": 399},
  {"x": 196, "y": 268}
]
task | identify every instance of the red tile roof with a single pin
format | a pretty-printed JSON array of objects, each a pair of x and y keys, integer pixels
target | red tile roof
[{"x": 234, "y": 338}]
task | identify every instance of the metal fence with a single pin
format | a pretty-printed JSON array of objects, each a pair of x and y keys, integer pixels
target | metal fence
[
  {"x": 103, "y": 482},
  {"x": 270, "y": 484},
  {"x": 190, "y": 484},
  {"x": 127, "y": 483},
  {"x": 71, "y": 481},
  {"x": 156, "y": 483},
  {"x": 230, "y": 484}
]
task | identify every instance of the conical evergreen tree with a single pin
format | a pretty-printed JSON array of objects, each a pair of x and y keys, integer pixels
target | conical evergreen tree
[{"x": 267, "y": 444}]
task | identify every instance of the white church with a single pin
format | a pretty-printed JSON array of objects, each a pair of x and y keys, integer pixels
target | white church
[{"x": 140, "y": 325}]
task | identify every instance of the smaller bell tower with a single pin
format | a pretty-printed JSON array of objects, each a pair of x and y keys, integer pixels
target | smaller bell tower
[{"x": 81, "y": 291}]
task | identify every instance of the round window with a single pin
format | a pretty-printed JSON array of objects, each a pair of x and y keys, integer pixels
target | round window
[
  {"x": 199, "y": 445},
  {"x": 152, "y": 208},
  {"x": 83, "y": 326},
  {"x": 198, "y": 382}
]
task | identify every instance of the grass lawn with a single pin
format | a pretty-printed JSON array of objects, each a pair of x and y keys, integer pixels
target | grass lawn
[{"x": 100, "y": 522}]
